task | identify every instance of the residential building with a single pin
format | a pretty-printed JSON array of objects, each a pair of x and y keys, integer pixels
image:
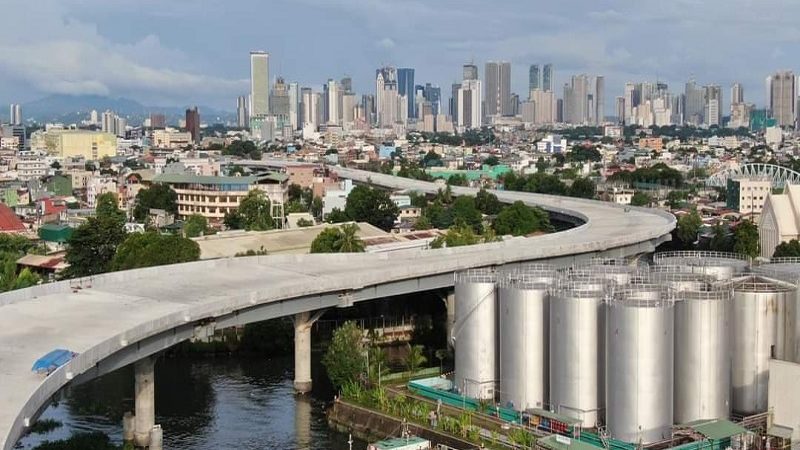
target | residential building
[
  {"x": 214, "y": 197},
  {"x": 747, "y": 195},
  {"x": 405, "y": 88},
  {"x": 171, "y": 139},
  {"x": 534, "y": 78},
  {"x": 548, "y": 78},
  {"x": 552, "y": 143},
  {"x": 15, "y": 114},
  {"x": 695, "y": 103},
  {"x": 584, "y": 100},
  {"x": 259, "y": 83},
  {"x": 470, "y": 106},
  {"x": 31, "y": 168},
  {"x": 91, "y": 145},
  {"x": 713, "y": 105},
  {"x": 242, "y": 119},
  {"x": 159, "y": 121}
]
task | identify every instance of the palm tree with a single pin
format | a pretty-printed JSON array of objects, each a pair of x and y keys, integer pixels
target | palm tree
[
  {"x": 415, "y": 358},
  {"x": 348, "y": 240}
]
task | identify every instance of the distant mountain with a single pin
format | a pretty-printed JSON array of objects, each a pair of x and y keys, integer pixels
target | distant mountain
[{"x": 75, "y": 108}]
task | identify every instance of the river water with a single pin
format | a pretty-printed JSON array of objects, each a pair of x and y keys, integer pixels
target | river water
[{"x": 208, "y": 404}]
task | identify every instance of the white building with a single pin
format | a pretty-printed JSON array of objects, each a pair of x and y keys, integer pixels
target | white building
[
  {"x": 552, "y": 143},
  {"x": 470, "y": 107},
  {"x": 336, "y": 198},
  {"x": 780, "y": 219}
]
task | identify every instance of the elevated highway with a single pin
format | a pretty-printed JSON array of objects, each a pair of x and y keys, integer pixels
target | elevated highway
[{"x": 116, "y": 319}]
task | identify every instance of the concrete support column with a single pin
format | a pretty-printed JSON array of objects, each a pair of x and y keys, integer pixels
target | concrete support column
[
  {"x": 450, "y": 304},
  {"x": 145, "y": 398},
  {"x": 156, "y": 438},
  {"x": 128, "y": 427},
  {"x": 302, "y": 350}
]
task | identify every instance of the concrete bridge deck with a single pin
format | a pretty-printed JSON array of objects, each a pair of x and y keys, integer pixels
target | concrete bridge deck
[{"x": 115, "y": 319}]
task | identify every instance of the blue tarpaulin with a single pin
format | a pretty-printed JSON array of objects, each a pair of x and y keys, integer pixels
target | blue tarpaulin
[{"x": 52, "y": 361}]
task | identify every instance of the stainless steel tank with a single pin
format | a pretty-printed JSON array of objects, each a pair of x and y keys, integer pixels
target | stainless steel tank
[
  {"x": 475, "y": 333},
  {"x": 523, "y": 304},
  {"x": 719, "y": 265},
  {"x": 702, "y": 355},
  {"x": 676, "y": 278},
  {"x": 577, "y": 348},
  {"x": 758, "y": 302},
  {"x": 617, "y": 271},
  {"x": 639, "y": 365}
]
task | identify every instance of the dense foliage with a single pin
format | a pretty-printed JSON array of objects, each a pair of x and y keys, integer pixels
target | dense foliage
[
  {"x": 154, "y": 249},
  {"x": 660, "y": 174},
  {"x": 345, "y": 358},
  {"x": 342, "y": 239},
  {"x": 94, "y": 244},
  {"x": 521, "y": 220},
  {"x": 158, "y": 196},
  {"x": 367, "y": 204},
  {"x": 789, "y": 249},
  {"x": 253, "y": 214},
  {"x": 243, "y": 149},
  {"x": 195, "y": 225}
]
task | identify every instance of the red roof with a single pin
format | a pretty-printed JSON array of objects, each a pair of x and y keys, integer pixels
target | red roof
[
  {"x": 53, "y": 206},
  {"x": 9, "y": 222}
]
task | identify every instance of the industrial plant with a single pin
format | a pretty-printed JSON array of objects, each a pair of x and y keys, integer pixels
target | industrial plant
[{"x": 633, "y": 353}]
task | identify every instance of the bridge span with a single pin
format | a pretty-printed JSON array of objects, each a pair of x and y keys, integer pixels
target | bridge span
[{"x": 120, "y": 318}]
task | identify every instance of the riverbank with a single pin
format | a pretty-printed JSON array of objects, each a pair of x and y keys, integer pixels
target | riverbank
[{"x": 370, "y": 425}]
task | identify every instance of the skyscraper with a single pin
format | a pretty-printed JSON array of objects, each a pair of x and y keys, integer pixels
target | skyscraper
[
  {"x": 454, "y": 88},
  {"x": 279, "y": 105},
  {"x": 620, "y": 110},
  {"x": 498, "y": 88},
  {"x": 633, "y": 92},
  {"x": 713, "y": 105},
  {"x": 737, "y": 93},
  {"x": 470, "y": 108},
  {"x": 193, "y": 124},
  {"x": 309, "y": 108},
  {"x": 584, "y": 100},
  {"x": 15, "y": 114},
  {"x": 259, "y": 84},
  {"x": 433, "y": 94},
  {"x": 241, "y": 113},
  {"x": 548, "y": 79},
  {"x": 347, "y": 85},
  {"x": 695, "y": 103},
  {"x": 294, "y": 105},
  {"x": 470, "y": 72},
  {"x": 405, "y": 88},
  {"x": 333, "y": 103},
  {"x": 159, "y": 120},
  {"x": 534, "y": 78},
  {"x": 782, "y": 97},
  {"x": 387, "y": 98}
]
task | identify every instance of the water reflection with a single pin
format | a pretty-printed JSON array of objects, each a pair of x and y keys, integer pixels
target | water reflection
[{"x": 231, "y": 403}]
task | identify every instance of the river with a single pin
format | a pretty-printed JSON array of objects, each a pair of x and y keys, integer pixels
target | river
[{"x": 237, "y": 403}]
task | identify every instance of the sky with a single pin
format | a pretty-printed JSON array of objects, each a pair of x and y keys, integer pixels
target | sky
[{"x": 183, "y": 52}]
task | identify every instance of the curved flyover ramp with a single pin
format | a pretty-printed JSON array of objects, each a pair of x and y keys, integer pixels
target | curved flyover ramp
[{"x": 114, "y": 319}]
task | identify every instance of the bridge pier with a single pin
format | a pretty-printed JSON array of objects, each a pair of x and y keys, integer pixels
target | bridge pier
[
  {"x": 145, "y": 400},
  {"x": 302, "y": 349},
  {"x": 450, "y": 304}
]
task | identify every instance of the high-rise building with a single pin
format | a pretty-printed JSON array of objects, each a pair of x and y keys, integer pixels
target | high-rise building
[
  {"x": 534, "y": 78},
  {"x": 544, "y": 106},
  {"x": 498, "y": 88},
  {"x": 470, "y": 107},
  {"x": 347, "y": 85},
  {"x": 95, "y": 120},
  {"x": 454, "y": 88},
  {"x": 548, "y": 79},
  {"x": 241, "y": 112},
  {"x": 333, "y": 103},
  {"x": 294, "y": 105},
  {"x": 309, "y": 107},
  {"x": 584, "y": 102},
  {"x": 621, "y": 110},
  {"x": 782, "y": 97},
  {"x": 405, "y": 88},
  {"x": 15, "y": 114},
  {"x": 713, "y": 105},
  {"x": 632, "y": 95},
  {"x": 193, "y": 124},
  {"x": 470, "y": 72},
  {"x": 433, "y": 95},
  {"x": 158, "y": 121},
  {"x": 737, "y": 94},
  {"x": 368, "y": 104},
  {"x": 109, "y": 122},
  {"x": 259, "y": 84},
  {"x": 387, "y": 97},
  {"x": 280, "y": 107},
  {"x": 695, "y": 103}
]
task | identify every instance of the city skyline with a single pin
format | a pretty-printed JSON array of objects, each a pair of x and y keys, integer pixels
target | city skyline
[{"x": 163, "y": 56}]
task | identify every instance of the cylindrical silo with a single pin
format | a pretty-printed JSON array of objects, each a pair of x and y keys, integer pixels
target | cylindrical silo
[
  {"x": 702, "y": 355},
  {"x": 577, "y": 349},
  {"x": 523, "y": 304},
  {"x": 475, "y": 333},
  {"x": 639, "y": 365},
  {"x": 677, "y": 279},
  {"x": 786, "y": 270},
  {"x": 757, "y": 304},
  {"x": 718, "y": 265}
]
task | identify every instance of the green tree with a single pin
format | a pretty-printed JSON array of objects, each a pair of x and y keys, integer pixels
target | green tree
[
  {"x": 582, "y": 188},
  {"x": 746, "y": 239},
  {"x": 687, "y": 227},
  {"x": 720, "y": 239},
  {"x": 316, "y": 207},
  {"x": 458, "y": 179},
  {"x": 521, "y": 220},
  {"x": 325, "y": 242},
  {"x": 464, "y": 212},
  {"x": 254, "y": 212},
  {"x": 158, "y": 196},
  {"x": 457, "y": 236},
  {"x": 415, "y": 358},
  {"x": 106, "y": 206},
  {"x": 93, "y": 245},
  {"x": 789, "y": 249},
  {"x": 365, "y": 204},
  {"x": 676, "y": 199},
  {"x": 26, "y": 278},
  {"x": 491, "y": 161},
  {"x": 343, "y": 239},
  {"x": 304, "y": 223},
  {"x": 337, "y": 216},
  {"x": 195, "y": 225},
  {"x": 487, "y": 202},
  {"x": 640, "y": 198},
  {"x": 154, "y": 249},
  {"x": 345, "y": 358}
]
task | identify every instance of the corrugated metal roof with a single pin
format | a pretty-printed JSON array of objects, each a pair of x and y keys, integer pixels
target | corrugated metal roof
[
  {"x": 207, "y": 179},
  {"x": 718, "y": 429}
]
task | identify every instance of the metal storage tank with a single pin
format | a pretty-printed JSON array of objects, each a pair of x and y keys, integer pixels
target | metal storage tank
[
  {"x": 523, "y": 304},
  {"x": 719, "y": 265},
  {"x": 639, "y": 365},
  {"x": 702, "y": 355},
  {"x": 787, "y": 272},
  {"x": 475, "y": 333},
  {"x": 677, "y": 279},
  {"x": 757, "y": 304},
  {"x": 577, "y": 348}
]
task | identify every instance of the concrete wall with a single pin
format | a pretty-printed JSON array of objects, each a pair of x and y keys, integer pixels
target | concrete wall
[{"x": 784, "y": 396}]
